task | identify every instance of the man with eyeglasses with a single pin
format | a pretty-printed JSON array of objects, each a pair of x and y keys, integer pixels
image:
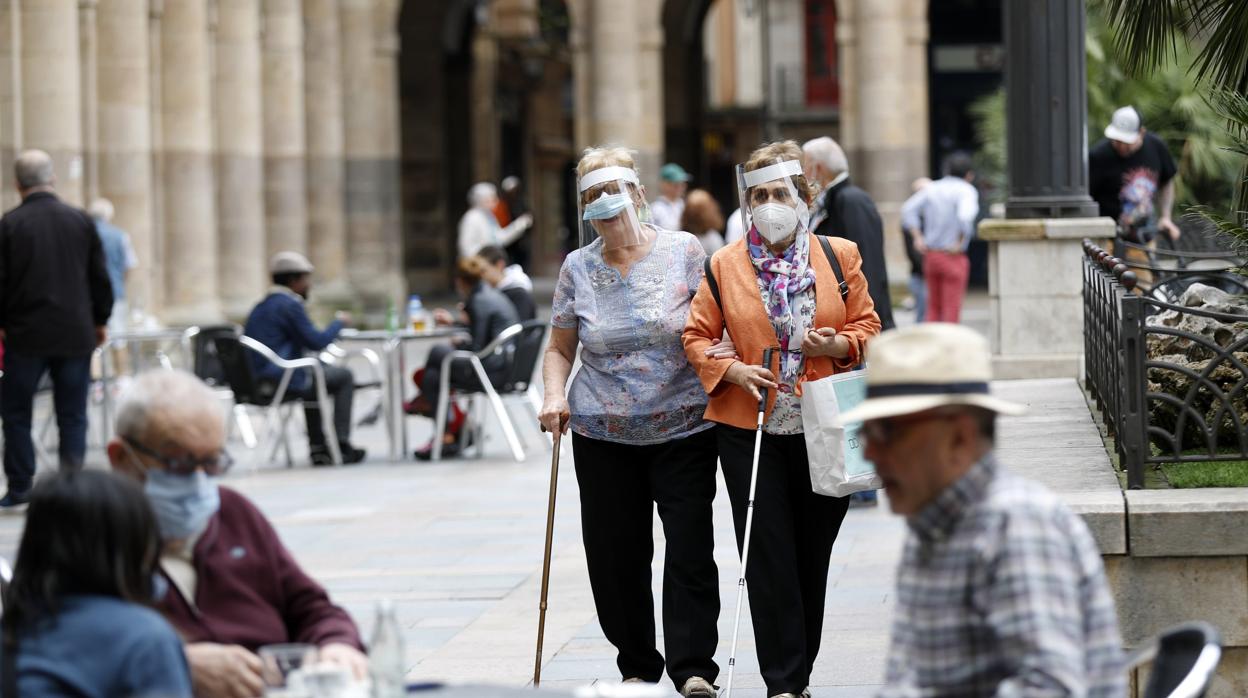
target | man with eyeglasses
[
  {"x": 1001, "y": 590},
  {"x": 231, "y": 584}
]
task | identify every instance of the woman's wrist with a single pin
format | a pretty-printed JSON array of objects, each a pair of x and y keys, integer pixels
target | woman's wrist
[{"x": 840, "y": 347}]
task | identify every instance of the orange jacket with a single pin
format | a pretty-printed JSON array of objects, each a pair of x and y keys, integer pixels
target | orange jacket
[{"x": 751, "y": 330}]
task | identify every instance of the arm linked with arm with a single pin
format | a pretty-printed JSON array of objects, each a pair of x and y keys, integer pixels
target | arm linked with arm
[{"x": 705, "y": 324}]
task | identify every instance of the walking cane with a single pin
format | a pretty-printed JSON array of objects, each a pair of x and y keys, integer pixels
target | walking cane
[
  {"x": 749, "y": 525},
  {"x": 550, "y": 535}
]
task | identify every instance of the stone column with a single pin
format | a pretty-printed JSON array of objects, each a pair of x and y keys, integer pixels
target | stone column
[
  {"x": 156, "y": 15},
  {"x": 1047, "y": 110},
  {"x": 125, "y": 140},
  {"x": 10, "y": 97},
  {"x": 88, "y": 46},
  {"x": 190, "y": 204},
  {"x": 327, "y": 224},
  {"x": 285, "y": 178},
  {"x": 240, "y": 156},
  {"x": 362, "y": 149},
  {"x": 620, "y": 38},
  {"x": 389, "y": 145},
  {"x": 51, "y": 89}
]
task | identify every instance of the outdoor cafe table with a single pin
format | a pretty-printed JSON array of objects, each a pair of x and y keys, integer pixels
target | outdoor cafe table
[{"x": 392, "y": 344}]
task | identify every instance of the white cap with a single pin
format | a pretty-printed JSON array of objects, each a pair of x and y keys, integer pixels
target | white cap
[
  {"x": 289, "y": 263},
  {"x": 1125, "y": 126}
]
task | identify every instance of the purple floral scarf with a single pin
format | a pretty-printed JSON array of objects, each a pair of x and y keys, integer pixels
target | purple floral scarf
[{"x": 784, "y": 278}]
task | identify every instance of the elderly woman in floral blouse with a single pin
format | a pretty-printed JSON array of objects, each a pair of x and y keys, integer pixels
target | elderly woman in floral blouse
[{"x": 638, "y": 436}]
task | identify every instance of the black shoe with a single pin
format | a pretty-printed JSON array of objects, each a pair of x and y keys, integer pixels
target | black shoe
[
  {"x": 14, "y": 501},
  {"x": 450, "y": 450},
  {"x": 350, "y": 455}
]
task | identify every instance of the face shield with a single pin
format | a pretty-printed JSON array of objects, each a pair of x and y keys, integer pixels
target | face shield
[
  {"x": 609, "y": 205},
  {"x": 770, "y": 201}
]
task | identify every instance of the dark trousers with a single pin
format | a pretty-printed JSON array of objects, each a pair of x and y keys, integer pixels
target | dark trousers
[
  {"x": 340, "y": 385},
  {"x": 619, "y": 485},
  {"x": 463, "y": 377},
  {"x": 790, "y": 547},
  {"x": 71, "y": 376}
]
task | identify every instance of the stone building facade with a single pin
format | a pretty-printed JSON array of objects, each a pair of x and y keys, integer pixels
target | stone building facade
[{"x": 222, "y": 130}]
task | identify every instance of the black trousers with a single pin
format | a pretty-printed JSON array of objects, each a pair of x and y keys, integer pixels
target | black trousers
[
  {"x": 619, "y": 485},
  {"x": 340, "y": 384},
  {"x": 790, "y": 547}
]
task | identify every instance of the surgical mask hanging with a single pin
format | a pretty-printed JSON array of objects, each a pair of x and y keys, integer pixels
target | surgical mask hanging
[
  {"x": 775, "y": 222},
  {"x": 606, "y": 206},
  {"x": 183, "y": 503}
]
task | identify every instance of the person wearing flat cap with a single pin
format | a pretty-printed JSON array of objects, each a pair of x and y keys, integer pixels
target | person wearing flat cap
[
  {"x": 281, "y": 323},
  {"x": 1001, "y": 590}
]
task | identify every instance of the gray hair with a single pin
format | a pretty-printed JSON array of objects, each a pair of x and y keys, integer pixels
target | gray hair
[
  {"x": 172, "y": 396},
  {"x": 33, "y": 169},
  {"x": 101, "y": 210},
  {"x": 826, "y": 152},
  {"x": 480, "y": 193}
]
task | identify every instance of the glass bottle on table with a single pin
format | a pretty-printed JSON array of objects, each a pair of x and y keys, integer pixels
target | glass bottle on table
[
  {"x": 416, "y": 314},
  {"x": 386, "y": 661}
]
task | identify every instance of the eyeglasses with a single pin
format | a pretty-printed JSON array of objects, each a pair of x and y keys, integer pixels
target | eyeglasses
[{"x": 186, "y": 465}]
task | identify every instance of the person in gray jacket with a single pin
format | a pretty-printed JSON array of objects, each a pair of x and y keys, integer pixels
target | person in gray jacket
[{"x": 487, "y": 313}]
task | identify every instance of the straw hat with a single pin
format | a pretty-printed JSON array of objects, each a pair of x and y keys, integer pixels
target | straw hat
[{"x": 926, "y": 366}]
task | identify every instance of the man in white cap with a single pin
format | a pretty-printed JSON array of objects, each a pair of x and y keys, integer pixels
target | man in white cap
[
  {"x": 478, "y": 227},
  {"x": 1127, "y": 171},
  {"x": 281, "y": 323},
  {"x": 1001, "y": 590}
]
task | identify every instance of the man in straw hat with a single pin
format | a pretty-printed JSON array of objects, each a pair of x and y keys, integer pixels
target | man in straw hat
[{"x": 1000, "y": 590}]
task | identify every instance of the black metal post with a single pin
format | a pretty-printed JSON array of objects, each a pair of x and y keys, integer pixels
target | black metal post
[{"x": 1046, "y": 107}]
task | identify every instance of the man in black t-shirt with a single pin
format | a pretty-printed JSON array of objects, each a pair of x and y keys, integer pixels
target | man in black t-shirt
[{"x": 1127, "y": 171}]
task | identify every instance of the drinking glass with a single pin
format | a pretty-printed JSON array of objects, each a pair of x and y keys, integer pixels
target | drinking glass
[{"x": 283, "y": 665}]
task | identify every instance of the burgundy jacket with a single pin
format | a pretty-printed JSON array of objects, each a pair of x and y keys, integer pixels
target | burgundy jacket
[{"x": 250, "y": 591}]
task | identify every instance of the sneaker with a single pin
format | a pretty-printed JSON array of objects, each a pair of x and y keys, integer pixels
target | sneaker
[
  {"x": 806, "y": 692},
  {"x": 635, "y": 679},
  {"x": 698, "y": 687},
  {"x": 785, "y": 695},
  {"x": 13, "y": 501}
]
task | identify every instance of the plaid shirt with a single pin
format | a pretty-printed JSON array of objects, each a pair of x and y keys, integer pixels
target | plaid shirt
[{"x": 1001, "y": 592}]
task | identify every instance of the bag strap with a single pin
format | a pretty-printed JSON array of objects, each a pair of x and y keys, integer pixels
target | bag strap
[
  {"x": 836, "y": 268},
  {"x": 710, "y": 280}
]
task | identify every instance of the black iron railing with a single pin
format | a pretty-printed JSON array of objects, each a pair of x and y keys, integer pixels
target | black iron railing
[{"x": 1171, "y": 382}]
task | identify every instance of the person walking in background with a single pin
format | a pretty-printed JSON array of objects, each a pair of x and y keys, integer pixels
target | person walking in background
[
  {"x": 845, "y": 211},
  {"x": 512, "y": 202},
  {"x": 638, "y": 436},
  {"x": 940, "y": 218},
  {"x": 734, "y": 228},
  {"x": 55, "y": 302},
  {"x": 918, "y": 288},
  {"x": 1127, "y": 171},
  {"x": 118, "y": 256},
  {"x": 703, "y": 219},
  {"x": 77, "y": 615},
  {"x": 1001, "y": 590},
  {"x": 478, "y": 227},
  {"x": 510, "y": 279},
  {"x": 777, "y": 287},
  {"x": 281, "y": 323},
  {"x": 665, "y": 211}
]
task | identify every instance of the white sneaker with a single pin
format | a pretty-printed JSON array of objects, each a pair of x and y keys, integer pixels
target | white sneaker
[{"x": 698, "y": 687}]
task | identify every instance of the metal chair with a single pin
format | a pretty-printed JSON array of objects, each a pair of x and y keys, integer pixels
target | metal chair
[
  {"x": 335, "y": 355},
  {"x": 200, "y": 347},
  {"x": 279, "y": 406},
  {"x": 1184, "y": 659},
  {"x": 521, "y": 344}
]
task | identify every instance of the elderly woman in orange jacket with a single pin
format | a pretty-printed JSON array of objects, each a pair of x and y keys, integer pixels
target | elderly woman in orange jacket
[{"x": 778, "y": 290}]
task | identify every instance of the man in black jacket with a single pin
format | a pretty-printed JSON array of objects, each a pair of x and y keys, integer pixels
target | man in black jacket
[
  {"x": 845, "y": 211},
  {"x": 55, "y": 302}
]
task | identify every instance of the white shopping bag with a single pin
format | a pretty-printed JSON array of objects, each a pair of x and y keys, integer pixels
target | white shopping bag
[{"x": 837, "y": 465}]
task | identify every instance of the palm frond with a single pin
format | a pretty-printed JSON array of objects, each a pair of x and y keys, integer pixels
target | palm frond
[
  {"x": 1231, "y": 232},
  {"x": 1223, "y": 25},
  {"x": 1146, "y": 31}
]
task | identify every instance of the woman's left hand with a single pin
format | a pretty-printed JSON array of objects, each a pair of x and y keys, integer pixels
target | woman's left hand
[{"x": 824, "y": 341}]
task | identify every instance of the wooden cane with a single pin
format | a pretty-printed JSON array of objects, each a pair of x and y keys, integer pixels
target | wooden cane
[{"x": 550, "y": 535}]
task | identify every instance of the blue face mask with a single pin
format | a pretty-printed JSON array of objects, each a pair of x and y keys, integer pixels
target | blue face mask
[
  {"x": 606, "y": 206},
  {"x": 183, "y": 503}
]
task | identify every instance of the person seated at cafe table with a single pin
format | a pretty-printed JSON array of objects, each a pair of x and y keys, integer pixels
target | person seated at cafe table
[
  {"x": 281, "y": 323},
  {"x": 232, "y": 586}
]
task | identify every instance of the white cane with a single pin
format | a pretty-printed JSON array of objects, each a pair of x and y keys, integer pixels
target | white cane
[{"x": 749, "y": 525}]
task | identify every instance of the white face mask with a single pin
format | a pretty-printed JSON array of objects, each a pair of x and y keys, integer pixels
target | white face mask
[{"x": 775, "y": 222}]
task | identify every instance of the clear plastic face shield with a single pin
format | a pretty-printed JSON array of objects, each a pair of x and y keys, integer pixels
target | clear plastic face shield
[
  {"x": 610, "y": 205},
  {"x": 771, "y": 203}
]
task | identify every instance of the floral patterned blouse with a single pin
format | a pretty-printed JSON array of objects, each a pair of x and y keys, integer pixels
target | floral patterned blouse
[
  {"x": 786, "y": 413},
  {"x": 635, "y": 385}
]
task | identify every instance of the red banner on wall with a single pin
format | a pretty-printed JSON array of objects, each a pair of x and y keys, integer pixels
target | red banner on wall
[{"x": 823, "y": 87}]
